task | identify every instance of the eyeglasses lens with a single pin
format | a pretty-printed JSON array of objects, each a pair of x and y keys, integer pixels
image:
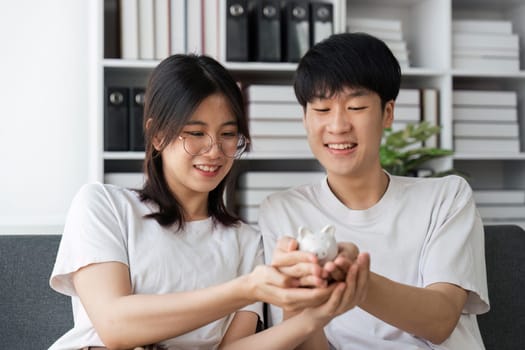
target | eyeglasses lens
[{"x": 232, "y": 146}]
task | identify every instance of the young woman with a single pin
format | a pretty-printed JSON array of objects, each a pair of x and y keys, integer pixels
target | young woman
[{"x": 168, "y": 266}]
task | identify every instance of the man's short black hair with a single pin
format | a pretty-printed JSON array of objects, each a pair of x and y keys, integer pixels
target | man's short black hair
[{"x": 347, "y": 60}]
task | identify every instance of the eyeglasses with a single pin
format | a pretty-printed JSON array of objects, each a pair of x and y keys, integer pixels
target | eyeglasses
[{"x": 232, "y": 145}]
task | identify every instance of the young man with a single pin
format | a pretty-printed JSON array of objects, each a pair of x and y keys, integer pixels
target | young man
[{"x": 427, "y": 279}]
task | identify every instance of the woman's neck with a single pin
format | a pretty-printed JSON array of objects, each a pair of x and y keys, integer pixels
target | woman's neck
[{"x": 195, "y": 205}]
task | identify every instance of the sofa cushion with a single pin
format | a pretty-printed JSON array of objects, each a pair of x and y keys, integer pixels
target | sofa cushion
[
  {"x": 32, "y": 315},
  {"x": 503, "y": 327}
]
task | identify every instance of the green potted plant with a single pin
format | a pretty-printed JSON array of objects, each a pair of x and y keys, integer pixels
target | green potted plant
[{"x": 403, "y": 152}]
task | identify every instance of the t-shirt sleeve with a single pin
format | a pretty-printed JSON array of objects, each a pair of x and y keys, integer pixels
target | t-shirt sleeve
[
  {"x": 455, "y": 249},
  {"x": 269, "y": 232},
  {"x": 269, "y": 227},
  {"x": 93, "y": 233},
  {"x": 252, "y": 255}
]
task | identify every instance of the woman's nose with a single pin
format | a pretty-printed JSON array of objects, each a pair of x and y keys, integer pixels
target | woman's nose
[{"x": 215, "y": 148}]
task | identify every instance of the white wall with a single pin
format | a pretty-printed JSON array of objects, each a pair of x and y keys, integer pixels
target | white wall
[{"x": 48, "y": 66}]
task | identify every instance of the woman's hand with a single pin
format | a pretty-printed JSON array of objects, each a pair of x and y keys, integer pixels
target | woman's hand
[
  {"x": 283, "y": 282},
  {"x": 268, "y": 284},
  {"x": 344, "y": 295},
  {"x": 305, "y": 267}
]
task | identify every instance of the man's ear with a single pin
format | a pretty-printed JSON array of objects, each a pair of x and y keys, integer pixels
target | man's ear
[
  {"x": 388, "y": 114},
  {"x": 304, "y": 119}
]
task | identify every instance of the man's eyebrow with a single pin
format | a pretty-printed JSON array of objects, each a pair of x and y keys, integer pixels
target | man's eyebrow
[
  {"x": 358, "y": 93},
  {"x": 353, "y": 93}
]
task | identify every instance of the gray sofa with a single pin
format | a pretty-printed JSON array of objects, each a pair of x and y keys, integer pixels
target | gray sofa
[
  {"x": 503, "y": 327},
  {"x": 33, "y": 316}
]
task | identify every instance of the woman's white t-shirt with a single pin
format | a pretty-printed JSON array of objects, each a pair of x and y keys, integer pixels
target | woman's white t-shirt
[
  {"x": 106, "y": 223},
  {"x": 422, "y": 231}
]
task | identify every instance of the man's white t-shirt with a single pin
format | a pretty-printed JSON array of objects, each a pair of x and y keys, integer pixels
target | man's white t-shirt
[
  {"x": 106, "y": 223},
  {"x": 422, "y": 231}
]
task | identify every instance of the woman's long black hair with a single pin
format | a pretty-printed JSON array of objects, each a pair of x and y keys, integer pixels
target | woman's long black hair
[{"x": 175, "y": 89}]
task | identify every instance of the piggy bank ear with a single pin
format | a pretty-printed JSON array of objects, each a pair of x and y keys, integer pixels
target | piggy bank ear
[
  {"x": 302, "y": 232},
  {"x": 328, "y": 230}
]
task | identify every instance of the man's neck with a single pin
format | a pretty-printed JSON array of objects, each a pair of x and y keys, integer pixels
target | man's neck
[{"x": 359, "y": 193}]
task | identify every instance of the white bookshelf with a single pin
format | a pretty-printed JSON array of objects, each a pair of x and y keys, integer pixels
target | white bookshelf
[{"x": 427, "y": 29}]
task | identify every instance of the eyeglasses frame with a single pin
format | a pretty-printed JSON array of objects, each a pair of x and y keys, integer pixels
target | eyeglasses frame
[{"x": 237, "y": 154}]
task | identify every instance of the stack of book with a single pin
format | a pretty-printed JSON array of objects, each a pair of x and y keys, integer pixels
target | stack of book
[
  {"x": 407, "y": 109},
  {"x": 254, "y": 186},
  {"x": 485, "y": 122},
  {"x": 276, "y": 118},
  {"x": 414, "y": 106},
  {"x": 275, "y": 121},
  {"x": 153, "y": 30},
  {"x": 485, "y": 45},
  {"x": 388, "y": 30},
  {"x": 128, "y": 180},
  {"x": 230, "y": 30},
  {"x": 501, "y": 206}
]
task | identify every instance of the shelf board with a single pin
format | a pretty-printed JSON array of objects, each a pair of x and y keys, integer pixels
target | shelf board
[
  {"x": 484, "y": 74},
  {"x": 254, "y": 67},
  {"x": 302, "y": 155},
  {"x": 260, "y": 66},
  {"x": 260, "y": 155},
  {"x": 120, "y": 63},
  {"x": 422, "y": 72},
  {"x": 124, "y": 155},
  {"x": 385, "y": 2},
  {"x": 263, "y": 155},
  {"x": 233, "y": 66},
  {"x": 487, "y": 4},
  {"x": 471, "y": 156}
]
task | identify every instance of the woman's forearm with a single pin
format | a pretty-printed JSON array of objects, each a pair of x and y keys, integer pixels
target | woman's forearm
[
  {"x": 289, "y": 334},
  {"x": 125, "y": 320}
]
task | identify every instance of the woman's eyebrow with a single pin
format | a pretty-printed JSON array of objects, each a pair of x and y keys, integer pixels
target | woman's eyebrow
[
  {"x": 195, "y": 122},
  {"x": 200, "y": 122}
]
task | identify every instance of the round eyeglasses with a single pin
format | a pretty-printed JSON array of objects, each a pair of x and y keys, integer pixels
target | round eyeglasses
[{"x": 232, "y": 145}]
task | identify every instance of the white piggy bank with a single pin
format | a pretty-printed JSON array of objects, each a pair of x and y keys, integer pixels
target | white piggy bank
[{"x": 322, "y": 244}]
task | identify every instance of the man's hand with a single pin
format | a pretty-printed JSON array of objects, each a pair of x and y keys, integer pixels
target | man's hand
[
  {"x": 338, "y": 268},
  {"x": 303, "y": 266}
]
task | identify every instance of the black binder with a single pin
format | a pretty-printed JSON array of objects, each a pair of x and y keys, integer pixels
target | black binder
[
  {"x": 265, "y": 29},
  {"x": 296, "y": 31},
  {"x": 116, "y": 119},
  {"x": 236, "y": 30},
  {"x": 321, "y": 21},
  {"x": 136, "y": 112},
  {"x": 111, "y": 29}
]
